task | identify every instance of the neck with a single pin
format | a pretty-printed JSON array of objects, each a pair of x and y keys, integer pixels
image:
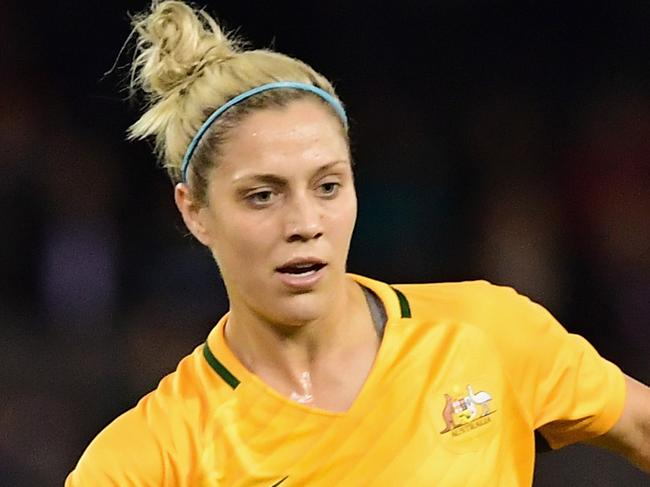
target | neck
[{"x": 289, "y": 350}]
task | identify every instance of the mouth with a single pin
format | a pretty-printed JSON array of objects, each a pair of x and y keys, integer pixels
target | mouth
[
  {"x": 301, "y": 274},
  {"x": 301, "y": 267}
]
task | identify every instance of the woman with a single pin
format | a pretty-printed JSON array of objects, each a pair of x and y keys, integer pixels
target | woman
[{"x": 317, "y": 377}]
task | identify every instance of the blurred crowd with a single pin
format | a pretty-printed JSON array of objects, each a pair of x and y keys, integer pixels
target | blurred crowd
[{"x": 508, "y": 143}]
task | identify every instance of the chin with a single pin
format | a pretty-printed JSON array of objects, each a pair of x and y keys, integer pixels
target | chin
[{"x": 299, "y": 309}]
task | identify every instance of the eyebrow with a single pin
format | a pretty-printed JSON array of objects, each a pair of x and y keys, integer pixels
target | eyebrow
[{"x": 274, "y": 179}]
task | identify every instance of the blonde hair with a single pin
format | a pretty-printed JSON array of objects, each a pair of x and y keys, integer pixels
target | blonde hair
[{"x": 187, "y": 67}]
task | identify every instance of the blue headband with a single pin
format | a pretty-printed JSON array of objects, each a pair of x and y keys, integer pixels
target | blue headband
[{"x": 336, "y": 104}]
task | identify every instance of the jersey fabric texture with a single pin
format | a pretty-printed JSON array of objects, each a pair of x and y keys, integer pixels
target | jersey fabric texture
[{"x": 464, "y": 376}]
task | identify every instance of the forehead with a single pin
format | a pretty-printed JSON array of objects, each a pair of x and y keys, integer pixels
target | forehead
[{"x": 303, "y": 135}]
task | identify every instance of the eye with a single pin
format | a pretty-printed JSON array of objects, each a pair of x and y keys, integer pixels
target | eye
[
  {"x": 260, "y": 198},
  {"x": 329, "y": 189}
]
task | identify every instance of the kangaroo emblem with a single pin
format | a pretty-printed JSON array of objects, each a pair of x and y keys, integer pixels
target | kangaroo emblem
[{"x": 463, "y": 410}]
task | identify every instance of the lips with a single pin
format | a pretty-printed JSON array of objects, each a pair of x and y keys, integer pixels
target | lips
[{"x": 301, "y": 274}]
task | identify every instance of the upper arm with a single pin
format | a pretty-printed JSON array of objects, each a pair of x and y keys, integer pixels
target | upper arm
[{"x": 630, "y": 436}]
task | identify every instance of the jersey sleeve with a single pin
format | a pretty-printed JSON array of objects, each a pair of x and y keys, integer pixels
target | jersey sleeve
[
  {"x": 152, "y": 444},
  {"x": 127, "y": 452},
  {"x": 569, "y": 392}
]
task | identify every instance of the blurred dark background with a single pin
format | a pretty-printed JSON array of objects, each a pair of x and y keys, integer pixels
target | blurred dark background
[{"x": 507, "y": 141}]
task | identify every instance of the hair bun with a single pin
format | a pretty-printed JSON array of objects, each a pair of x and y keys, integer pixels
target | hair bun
[
  {"x": 175, "y": 44},
  {"x": 187, "y": 67}
]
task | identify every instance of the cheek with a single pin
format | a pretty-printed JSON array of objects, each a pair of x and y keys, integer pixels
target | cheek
[
  {"x": 343, "y": 221},
  {"x": 240, "y": 242}
]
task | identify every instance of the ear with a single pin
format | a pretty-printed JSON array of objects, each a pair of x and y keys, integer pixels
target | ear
[{"x": 193, "y": 214}]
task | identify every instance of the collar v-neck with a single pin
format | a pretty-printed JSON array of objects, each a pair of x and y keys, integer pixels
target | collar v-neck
[{"x": 225, "y": 363}]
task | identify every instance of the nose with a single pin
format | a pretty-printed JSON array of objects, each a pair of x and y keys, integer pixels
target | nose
[{"x": 303, "y": 219}]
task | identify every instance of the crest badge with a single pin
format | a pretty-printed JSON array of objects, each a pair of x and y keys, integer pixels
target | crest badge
[{"x": 467, "y": 411}]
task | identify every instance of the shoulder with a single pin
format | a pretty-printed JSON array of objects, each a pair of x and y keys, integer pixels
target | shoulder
[
  {"x": 182, "y": 401},
  {"x": 467, "y": 301},
  {"x": 159, "y": 435},
  {"x": 498, "y": 316},
  {"x": 442, "y": 297},
  {"x": 467, "y": 304}
]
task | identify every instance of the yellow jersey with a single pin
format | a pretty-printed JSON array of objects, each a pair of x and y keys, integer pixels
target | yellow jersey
[{"x": 465, "y": 375}]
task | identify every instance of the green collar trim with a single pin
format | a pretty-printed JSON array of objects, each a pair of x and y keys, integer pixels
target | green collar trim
[
  {"x": 404, "y": 306},
  {"x": 219, "y": 368}
]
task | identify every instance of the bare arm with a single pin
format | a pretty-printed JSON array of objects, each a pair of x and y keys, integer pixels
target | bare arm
[{"x": 630, "y": 436}]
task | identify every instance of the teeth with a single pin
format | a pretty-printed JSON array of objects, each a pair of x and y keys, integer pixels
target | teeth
[
  {"x": 304, "y": 273},
  {"x": 301, "y": 269}
]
